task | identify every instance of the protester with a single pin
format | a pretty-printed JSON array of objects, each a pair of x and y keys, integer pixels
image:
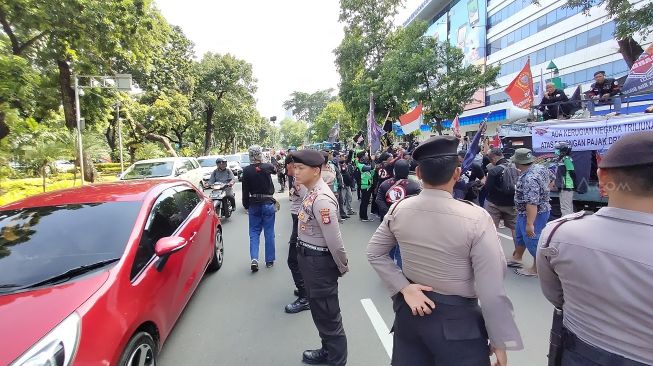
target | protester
[
  {"x": 470, "y": 182},
  {"x": 554, "y": 103},
  {"x": 599, "y": 268},
  {"x": 452, "y": 261},
  {"x": 363, "y": 165},
  {"x": 532, "y": 204},
  {"x": 258, "y": 200},
  {"x": 604, "y": 91}
]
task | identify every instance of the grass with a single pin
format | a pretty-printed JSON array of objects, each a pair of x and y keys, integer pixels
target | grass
[{"x": 15, "y": 189}]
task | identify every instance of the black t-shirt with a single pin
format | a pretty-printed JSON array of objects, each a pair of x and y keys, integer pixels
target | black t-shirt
[
  {"x": 257, "y": 180},
  {"x": 492, "y": 183},
  {"x": 462, "y": 188},
  {"x": 410, "y": 188}
]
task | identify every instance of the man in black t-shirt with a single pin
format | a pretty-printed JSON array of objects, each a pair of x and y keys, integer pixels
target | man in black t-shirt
[{"x": 470, "y": 182}]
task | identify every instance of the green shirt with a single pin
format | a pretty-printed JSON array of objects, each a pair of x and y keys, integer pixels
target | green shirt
[
  {"x": 568, "y": 181},
  {"x": 366, "y": 177}
]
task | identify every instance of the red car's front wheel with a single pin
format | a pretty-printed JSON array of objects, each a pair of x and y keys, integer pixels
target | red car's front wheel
[{"x": 140, "y": 351}]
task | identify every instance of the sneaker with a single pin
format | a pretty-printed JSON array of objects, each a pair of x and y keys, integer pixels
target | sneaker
[
  {"x": 254, "y": 265},
  {"x": 269, "y": 264},
  {"x": 351, "y": 213},
  {"x": 366, "y": 220},
  {"x": 297, "y": 306}
]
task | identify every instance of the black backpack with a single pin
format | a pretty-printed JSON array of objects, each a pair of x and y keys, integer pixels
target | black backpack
[{"x": 507, "y": 180}]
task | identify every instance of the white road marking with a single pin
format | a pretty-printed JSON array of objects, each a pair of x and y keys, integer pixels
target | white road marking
[
  {"x": 379, "y": 325},
  {"x": 505, "y": 236}
]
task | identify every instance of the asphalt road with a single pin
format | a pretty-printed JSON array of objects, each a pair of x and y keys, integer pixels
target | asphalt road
[{"x": 236, "y": 317}]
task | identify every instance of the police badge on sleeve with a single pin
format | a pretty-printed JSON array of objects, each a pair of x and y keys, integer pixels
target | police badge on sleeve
[{"x": 325, "y": 213}]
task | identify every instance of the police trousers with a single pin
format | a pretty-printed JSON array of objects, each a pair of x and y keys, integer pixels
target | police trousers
[
  {"x": 293, "y": 265},
  {"x": 576, "y": 352},
  {"x": 453, "y": 334},
  {"x": 321, "y": 274}
]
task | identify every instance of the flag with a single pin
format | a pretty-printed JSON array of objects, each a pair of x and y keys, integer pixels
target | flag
[
  {"x": 496, "y": 141},
  {"x": 575, "y": 98},
  {"x": 455, "y": 126},
  {"x": 412, "y": 120},
  {"x": 520, "y": 90},
  {"x": 640, "y": 77},
  {"x": 540, "y": 90},
  {"x": 374, "y": 131}
]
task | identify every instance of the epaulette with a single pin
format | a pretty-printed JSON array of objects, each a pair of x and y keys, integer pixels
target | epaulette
[{"x": 552, "y": 252}]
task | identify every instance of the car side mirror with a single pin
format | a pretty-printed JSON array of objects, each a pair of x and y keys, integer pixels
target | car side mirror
[
  {"x": 181, "y": 171},
  {"x": 165, "y": 247}
]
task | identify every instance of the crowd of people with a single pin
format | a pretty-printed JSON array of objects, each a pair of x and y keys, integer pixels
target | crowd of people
[{"x": 438, "y": 251}]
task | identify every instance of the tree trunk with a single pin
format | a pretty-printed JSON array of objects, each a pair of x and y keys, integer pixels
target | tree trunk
[
  {"x": 43, "y": 175},
  {"x": 67, "y": 94},
  {"x": 4, "y": 128},
  {"x": 90, "y": 173},
  {"x": 164, "y": 141},
  {"x": 208, "y": 129},
  {"x": 630, "y": 50}
]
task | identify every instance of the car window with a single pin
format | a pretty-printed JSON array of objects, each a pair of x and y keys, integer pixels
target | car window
[
  {"x": 168, "y": 213},
  {"x": 149, "y": 170},
  {"x": 244, "y": 158},
  {"x": 42, "y": 242},
  {"x": 186, "y": 163},
  {"x": 233, "y": 158},
  {"x": 207, "y": 162},
  {"x": 195, "y": 163}
]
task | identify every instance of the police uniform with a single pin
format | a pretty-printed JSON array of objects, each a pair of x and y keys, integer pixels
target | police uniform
[
  {"x": 599, "y": 270},
  {"x": 322, "y": 260},
  {"x": 453, "y": 247}
]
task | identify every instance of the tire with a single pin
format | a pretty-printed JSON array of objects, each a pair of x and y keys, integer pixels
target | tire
[
  {"x": 218, "y": 252},
  {"x": 141, "y": 347},
  {"x": 227, "y": 208}
]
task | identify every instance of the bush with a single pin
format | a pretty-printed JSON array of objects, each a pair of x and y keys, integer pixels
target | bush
[
  {"x": 108, "y": 168},
  {"x": 16, "y": 189}
]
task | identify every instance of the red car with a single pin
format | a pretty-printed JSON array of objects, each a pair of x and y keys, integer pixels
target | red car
[{"x": 98, "y": 275}]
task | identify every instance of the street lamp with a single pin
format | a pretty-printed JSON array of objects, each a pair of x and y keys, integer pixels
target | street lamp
[{"x": 121, "y": 82}]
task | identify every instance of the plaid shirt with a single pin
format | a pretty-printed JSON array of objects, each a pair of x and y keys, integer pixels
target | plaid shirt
[{"x": 533, "y": 189}]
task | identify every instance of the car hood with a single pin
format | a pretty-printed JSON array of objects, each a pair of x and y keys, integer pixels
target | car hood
[{"x": 26, "y": 317}]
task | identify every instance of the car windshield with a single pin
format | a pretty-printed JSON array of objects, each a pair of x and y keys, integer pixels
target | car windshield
[
  {"x": 149, "y": 170},
  {"x": 233, "y": 158},
  {"x": 207, "y": 162},
  {"x": 42, "y": 242}
]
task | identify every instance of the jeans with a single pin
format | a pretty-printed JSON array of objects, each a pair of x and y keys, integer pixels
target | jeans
[
  {"x": 365, "y": 201},
  {"x": 522, "y": 239},
  {"x": 395, "y": 254},
  {"x": 346, "y": 198},
  {"x": 616, "y": 101},
  {"x": 261, "y": 218}
]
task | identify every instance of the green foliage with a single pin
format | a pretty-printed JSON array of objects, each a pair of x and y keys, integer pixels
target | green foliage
[
  {"x": 307, "y": 106},
  {"x": 16, "y": 189},
  {"x": 293, "y": 133},
  {"x": 149, "y": 150},
  {"x": 333, "y": 113}
]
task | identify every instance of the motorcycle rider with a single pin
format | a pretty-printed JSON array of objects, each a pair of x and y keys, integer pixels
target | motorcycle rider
[{"x": 224, "y": 176}]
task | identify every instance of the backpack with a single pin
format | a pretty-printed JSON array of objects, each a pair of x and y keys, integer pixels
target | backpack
[
  {"x": 396, "y": 192},
  {"x": 508, "y": 179}
]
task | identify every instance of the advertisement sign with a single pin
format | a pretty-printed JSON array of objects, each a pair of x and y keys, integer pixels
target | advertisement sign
[
  {"x": 467, "y": 20},
  {"x": 584, "y": 136}
]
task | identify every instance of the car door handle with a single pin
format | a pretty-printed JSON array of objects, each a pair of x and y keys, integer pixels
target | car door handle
[{"x": 192, "y": 236}]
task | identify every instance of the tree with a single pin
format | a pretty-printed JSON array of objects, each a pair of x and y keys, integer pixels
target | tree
[
  {"x": 219, "y": 76},
  {"x": 44, "y": 149},
  {"x": 306, "y": 106},
  {"x": 334, "y": 112},
  {"x": 17, "y": 89},
  {"x": 419, "y": 68},
  {"x": 293, "y": 133}
]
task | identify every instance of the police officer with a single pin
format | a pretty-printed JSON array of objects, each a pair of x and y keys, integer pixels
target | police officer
[
  {"x": 599, "y": 268},
  {"x": 452, "y": 259},
  {"x": 322, "y": 258},
  {"x": 296, "y": 195}
]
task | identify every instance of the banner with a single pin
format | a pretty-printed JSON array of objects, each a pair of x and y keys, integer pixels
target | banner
[
  {"x": 640, "y": 77},
  {"x": 584, "y": 136}
]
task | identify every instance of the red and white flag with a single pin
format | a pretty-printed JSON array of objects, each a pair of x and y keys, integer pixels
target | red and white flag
[
  {"x": 412, "y": 120},
  {"x": 455, "y": 126}
]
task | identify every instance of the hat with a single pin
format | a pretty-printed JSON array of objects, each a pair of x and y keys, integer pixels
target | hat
[
  {"x": 310, "y": 158},
  {"x": 436, "y": 147},
  {"x": 255, "y": 153},
  {"x": 599, "y": 73},
  {"x": 523, "y": 156},
  {"x": 630, "y": 150}
]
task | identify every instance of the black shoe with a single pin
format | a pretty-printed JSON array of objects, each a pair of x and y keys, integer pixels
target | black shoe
[
  {"x": 269, "y": 264},
  {"x": 315, "y": 357},
  {"x": 345, "y": 217},
  {"x": 254, "y": 265},
  {"x": 298, "y": 305},
  {"x": 351, "y": 213},
  {"x": 366, "y": 220}
]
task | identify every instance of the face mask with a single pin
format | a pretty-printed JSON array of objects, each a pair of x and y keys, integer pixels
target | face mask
[{"x": 557, "y": 152}]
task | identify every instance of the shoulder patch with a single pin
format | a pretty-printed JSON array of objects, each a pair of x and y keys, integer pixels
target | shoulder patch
[{"x": 325, "y": 213}]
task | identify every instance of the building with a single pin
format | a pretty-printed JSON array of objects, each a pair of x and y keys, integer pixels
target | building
[{"x": 510, "y": 32}]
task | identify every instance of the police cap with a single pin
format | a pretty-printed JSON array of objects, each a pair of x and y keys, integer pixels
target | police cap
[
  {"x": 310, "y": 158},
  {"x": 630, "y": 150},
  {"x": 436, "y": 147}
]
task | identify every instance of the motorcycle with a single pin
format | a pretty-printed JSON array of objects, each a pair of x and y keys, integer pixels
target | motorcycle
[{"x": 222, "y": 203}]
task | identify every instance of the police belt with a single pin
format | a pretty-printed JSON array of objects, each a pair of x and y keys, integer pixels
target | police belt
[
  {"x": 309, "y": 249},
  {"x": 573, "y": 343},
  {"x": 261, "y": 196},
  {"x": 452, "y": 300}
]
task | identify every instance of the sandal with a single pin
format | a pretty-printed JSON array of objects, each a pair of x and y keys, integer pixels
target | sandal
[
  {"x": 522, "y": 272},
  {"x": 514, "y": 263}
]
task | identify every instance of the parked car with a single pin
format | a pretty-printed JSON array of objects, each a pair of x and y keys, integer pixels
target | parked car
[
  {"x": 208, "y": 166},
  {"x": 64, "y": 166},
  {"x": 243, "y": 159},
  {"x": 99, "y": 274},
  {"x": 166, "y": 168}
]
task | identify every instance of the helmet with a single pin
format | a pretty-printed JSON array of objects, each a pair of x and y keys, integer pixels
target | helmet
[
  {"x": 564, "y": 148},
  {"x": 255, "y": 153},
  {"x": 220, "y": 160}
]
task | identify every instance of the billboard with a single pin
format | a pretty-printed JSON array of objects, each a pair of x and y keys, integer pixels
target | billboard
[
  {"x": 438, "y": 30},
  {"x": 468, "y": 19}
]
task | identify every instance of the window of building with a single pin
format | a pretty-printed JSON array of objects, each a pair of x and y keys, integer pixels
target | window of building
[
  {"x": 608, "y": 68},
  {"x": 510, "y": 38},
  {"x": 532, "y": 27},
  {"x": 549, "y": 52},
  {"x": 570, "y": 45},
  {"x": 551, "y": 18},
  {"x": 594, "y": 36},
  {"x": 607, "y": 32},
  {"x": 541, "y": 23},
  {"x": 619, "y": 67},
  {"x": 581, "y": 76},
  {"x": 559, "y": 49},
  {"x": 581, "y": 41}
]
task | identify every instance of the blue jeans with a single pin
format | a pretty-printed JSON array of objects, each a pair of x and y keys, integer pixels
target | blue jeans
[
  {"x": 395, "y": 254},
  {"x": 616, "y": 102},
  {"x": 261, "y": 217},
  {"x": 521, "y": 239}
]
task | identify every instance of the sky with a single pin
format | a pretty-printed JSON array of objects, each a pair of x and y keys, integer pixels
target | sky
[{"x": 289, "y": 43}]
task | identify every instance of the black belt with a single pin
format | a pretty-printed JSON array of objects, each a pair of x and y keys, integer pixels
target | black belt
[
  {"x": 308, "y": 249},
  {"x": 261, "y": 196},
  {"x": 601, "y": 356}
]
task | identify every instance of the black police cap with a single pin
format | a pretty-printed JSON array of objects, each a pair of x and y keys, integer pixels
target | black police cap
[
  {"x": 436, "y": 147},
  {"x": 310, "y": 158},
  {"x": 599, "y": 73},
  {"x": 630, "y": 150}
]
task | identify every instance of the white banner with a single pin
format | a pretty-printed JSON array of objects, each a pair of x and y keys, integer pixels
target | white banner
[{"x": 589, "y": 135}]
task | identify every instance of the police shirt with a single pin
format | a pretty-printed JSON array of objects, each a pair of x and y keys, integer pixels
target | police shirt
[
  {"x": 599, "y": 270},
  {"x": 296, "y": 195},
  {"x": 453, "y": 247},
  {"x": 318, "y": 223}
]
